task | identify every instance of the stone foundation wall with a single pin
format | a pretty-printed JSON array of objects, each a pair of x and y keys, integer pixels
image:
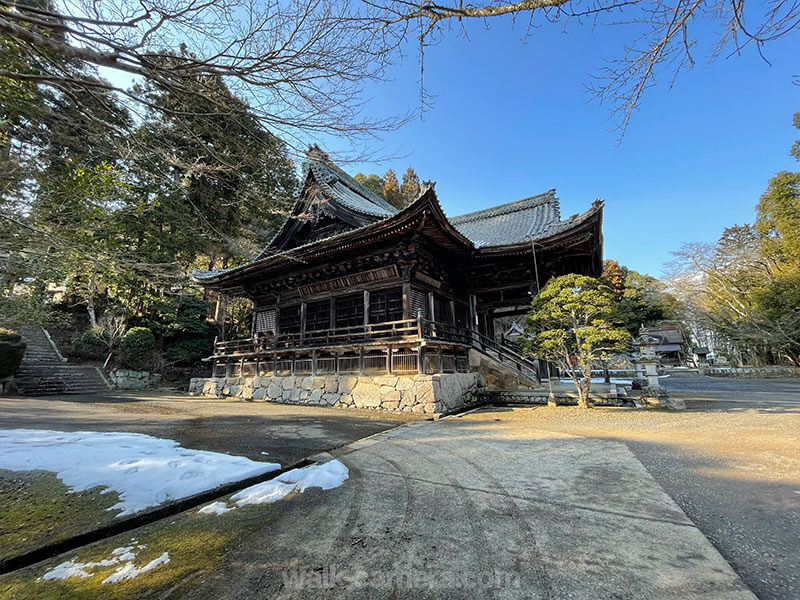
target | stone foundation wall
[
  {"x": 126, "y": 379},
  {"x": 428, "y": 394},
  {"x": 542, "y": 396}
]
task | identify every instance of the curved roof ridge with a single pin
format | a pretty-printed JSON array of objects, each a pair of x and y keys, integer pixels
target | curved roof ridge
[
  {"x": 548, "y": 197},
  {"x": 327, "y": 172}
]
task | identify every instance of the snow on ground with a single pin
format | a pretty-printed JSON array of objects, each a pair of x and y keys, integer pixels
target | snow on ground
[
  {"x": 326, "y": 476},
  {"x": 144, "y": 470},
  {"x": 125, "y": 555},
  {"x": 128, "y": 571},
  {"x": 215, "y": 508}
]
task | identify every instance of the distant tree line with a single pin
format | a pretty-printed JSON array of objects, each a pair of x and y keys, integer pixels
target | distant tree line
[{"x": 742, "y": 294}]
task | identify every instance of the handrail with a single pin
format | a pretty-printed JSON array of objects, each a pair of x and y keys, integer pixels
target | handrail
[
  {"x": 480, "y": 340},
  {"x": 418, "y": 329}
]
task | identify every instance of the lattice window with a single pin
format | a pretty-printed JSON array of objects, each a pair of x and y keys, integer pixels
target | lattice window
[
  {"x": 318, "y": 315},
  {"x": 264, "y": 321},
  {"x": 350, "y": 310},
  {"x": 386, "y": 305},
  {"x": 289, "y": 319}
]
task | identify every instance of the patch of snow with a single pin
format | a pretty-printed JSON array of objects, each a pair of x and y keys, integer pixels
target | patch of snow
[
  {"x": 326, "y": 476},
  {"x": 128, "y": 571},
  {"x": 144, "y": 470},
  {"x": 125, "y": 554},
  {"x": 215, "y": 508},
  {"x": 76, "y": 569},
  {"x": 265, "y": 453}
]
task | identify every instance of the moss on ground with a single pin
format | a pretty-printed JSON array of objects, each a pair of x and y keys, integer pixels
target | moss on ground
[
  {"x": 196, "y": 543},
  {"x": 36, "y": 508}
]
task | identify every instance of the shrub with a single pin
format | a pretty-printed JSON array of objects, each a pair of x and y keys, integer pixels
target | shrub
[
  {"x": 136, "y": 349},
  {"x": 11, "y": 350},
  {"x": 188, "y": 352},
  {"x": 89, "y": 346}
]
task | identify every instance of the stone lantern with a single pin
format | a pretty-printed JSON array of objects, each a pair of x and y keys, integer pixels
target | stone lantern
[{"x": 647, "y": 375}]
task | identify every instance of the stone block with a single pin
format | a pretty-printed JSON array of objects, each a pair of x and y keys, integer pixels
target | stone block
[
  {"x": 307, "y": 383},
  {"x": 405, "y": 384},
  {"x": 390, "y": 396},
  {"x": 274, "y": 391},
  {"x": 330, "y": 398},
  {"x": 287, "y": 382},
  {"x": 259, "y": 393},
  {"x": 316, "y": 396},
  {"x": 390, "y": 405},
  {"x": 331, "y": 385},
  {"x": 347, "y": 384}
]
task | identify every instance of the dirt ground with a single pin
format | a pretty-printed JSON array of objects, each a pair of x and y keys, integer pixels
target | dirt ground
[{"x": 731, "y": 462}]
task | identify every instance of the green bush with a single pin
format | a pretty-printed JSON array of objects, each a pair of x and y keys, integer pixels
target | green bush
[
  {"x": 89, "y": 346},
  {"x": 136, "y": 349},
  {"x": 188, "y": 352},
  {"x": 11, "y": 350}
]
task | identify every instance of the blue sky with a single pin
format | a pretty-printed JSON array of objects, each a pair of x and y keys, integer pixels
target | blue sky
[{"x": 511, "y": 120}]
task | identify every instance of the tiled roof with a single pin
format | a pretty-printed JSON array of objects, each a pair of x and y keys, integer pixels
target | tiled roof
[
  {"x": 512, "y": 223},
  {"x": 339, "y": 186}
]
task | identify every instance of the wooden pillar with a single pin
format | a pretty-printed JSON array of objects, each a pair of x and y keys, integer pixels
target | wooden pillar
[
  {"x": 313, "y": 362},
  {"x": 302, "y": 319},
  {"x": 407, "y": 300},
  {"x": 389, "y": 361},
  {"x": 366, "y": 307},
  {"x": 332, "y": 321},
  {"x": 473, "y": 312},
  {"x": 431, "y": 306},
  {"x": 361, "y": 361},
  {"x": 452, "y": 312}
]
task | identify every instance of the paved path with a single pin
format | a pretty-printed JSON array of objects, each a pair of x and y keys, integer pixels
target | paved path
[{"x": 481, "y": 506}]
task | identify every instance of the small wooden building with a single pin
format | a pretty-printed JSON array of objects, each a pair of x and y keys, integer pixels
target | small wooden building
[{"x": 350, "y": 286}]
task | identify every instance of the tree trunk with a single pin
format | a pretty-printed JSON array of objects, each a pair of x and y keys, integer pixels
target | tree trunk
[
  {"x": 220, "y": 312},
  {"x": 586, "y": 386},
  {"x": 606, "y": 372},
  {"x": 90, "y": 303}
]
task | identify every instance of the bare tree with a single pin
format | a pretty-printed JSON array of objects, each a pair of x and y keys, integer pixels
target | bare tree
[
  {"x": 661, "y": 36},
  {"x": 300, "y": 65}
]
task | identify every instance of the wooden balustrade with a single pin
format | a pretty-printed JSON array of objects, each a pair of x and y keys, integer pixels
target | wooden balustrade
[{"x": 392, "y": 331}]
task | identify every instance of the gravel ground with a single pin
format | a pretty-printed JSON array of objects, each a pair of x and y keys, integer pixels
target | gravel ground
[{"x": 731, "y": 462}]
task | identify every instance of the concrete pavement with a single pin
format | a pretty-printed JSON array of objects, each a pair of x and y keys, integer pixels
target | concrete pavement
[{"x": 478, "y": 506}]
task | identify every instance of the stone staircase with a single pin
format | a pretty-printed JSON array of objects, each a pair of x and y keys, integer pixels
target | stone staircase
[
  {"x": 503, "y": 367},
  {"x": 44, "y": 371}
]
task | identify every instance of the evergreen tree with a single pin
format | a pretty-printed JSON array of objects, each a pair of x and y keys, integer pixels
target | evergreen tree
[
  {"x": 391, "y": 190},
  {"x": 372, "y": 182},
  {"x": 411, "y": 188}
]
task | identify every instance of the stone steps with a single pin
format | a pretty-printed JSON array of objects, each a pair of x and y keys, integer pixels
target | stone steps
[{"x": 43, "y": 372}]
